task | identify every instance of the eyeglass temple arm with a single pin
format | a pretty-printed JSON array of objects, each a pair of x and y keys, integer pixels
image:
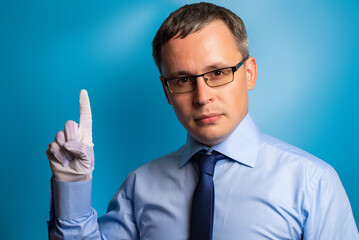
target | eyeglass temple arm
[{"x": 240, "y": 64}]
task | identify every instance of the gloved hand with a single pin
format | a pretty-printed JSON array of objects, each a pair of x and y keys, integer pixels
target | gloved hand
[{"x": 71, "y": 155}]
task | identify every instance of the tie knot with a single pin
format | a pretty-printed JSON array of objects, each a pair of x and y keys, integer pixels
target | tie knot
[{"x": 206, "y": 162}]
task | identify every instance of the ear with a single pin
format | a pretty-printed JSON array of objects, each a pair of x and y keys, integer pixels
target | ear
[
  {"x": 251, "y": 72},
  {"x": 164, "y": 89}
]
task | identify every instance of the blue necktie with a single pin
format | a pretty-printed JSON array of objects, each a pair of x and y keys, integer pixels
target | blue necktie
[{"x": 203, "y": 198}]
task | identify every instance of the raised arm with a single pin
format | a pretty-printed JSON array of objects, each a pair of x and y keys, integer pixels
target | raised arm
[
  {"x": 72, "y": 161},
  {"x": 71, "y": 158}
]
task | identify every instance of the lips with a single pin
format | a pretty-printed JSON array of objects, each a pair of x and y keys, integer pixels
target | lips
[{"x": 208, "y": 118}]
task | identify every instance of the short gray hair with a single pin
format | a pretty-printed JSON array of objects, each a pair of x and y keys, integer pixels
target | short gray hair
[{"x": 193, "y": 17}]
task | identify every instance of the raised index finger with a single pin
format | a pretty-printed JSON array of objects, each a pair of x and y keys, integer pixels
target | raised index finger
[{"x": 85, "y": 123}]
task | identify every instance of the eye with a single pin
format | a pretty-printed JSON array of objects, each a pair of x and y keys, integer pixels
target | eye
[
  {"x": 183, "y": 80},
  {"x": 217, "y": 73}
]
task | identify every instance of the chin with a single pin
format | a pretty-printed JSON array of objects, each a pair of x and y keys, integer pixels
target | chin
[
  {"x": 210, "y": 134},
  {"x": 210, "y": 138}
]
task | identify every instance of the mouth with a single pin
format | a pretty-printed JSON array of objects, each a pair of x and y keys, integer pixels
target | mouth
[{"x": 208, "y": 118}]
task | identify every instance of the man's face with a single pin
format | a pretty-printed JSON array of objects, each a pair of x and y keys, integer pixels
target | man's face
[{"x": 209, "y": 114}]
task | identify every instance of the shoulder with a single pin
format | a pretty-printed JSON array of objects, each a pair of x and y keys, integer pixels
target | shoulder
[
  {"x": 285, "y": 152},
  {"x": 161, "y": 175},
  {"x": 299, "y": 166},
  {"x": 159, "y": 165},
  {"x": 297, "y": 163}
]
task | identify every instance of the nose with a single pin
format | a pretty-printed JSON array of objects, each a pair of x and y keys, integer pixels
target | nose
[{"x": 203, "y": 94}]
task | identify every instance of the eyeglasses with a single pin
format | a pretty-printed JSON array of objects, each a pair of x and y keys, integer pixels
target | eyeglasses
[{"x": 213, "y": 78}]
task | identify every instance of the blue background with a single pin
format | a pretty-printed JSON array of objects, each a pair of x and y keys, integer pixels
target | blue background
[{"x": 306, "y": 93}]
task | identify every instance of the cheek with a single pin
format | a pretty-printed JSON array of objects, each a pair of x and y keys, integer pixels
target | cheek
[
  {"x": 237, "y": 99},
  {"x": 182, "y": 107}
]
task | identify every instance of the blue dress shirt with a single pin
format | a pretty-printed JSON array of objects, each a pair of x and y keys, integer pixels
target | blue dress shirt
[{"x": 265, "y": 189}]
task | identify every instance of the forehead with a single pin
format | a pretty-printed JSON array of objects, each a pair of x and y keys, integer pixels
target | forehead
[{"x": 211, "y": 45}]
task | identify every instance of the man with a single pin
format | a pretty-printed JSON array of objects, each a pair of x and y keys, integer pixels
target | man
[{"x": 229, "y": 181}]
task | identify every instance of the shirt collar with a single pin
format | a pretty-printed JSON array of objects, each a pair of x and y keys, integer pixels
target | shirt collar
[{"x": 241, "y": 146}]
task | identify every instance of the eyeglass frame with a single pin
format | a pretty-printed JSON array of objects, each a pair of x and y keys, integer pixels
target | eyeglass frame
[{"x": 234, "y": 69}]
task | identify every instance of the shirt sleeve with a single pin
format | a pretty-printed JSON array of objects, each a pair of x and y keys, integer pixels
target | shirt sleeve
[
  {"x": 330, "y": 215},
  {"x": 72, "y": 217}
]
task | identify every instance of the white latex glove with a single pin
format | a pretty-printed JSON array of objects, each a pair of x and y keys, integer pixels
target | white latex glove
[{"x": 71, "y": 155}]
